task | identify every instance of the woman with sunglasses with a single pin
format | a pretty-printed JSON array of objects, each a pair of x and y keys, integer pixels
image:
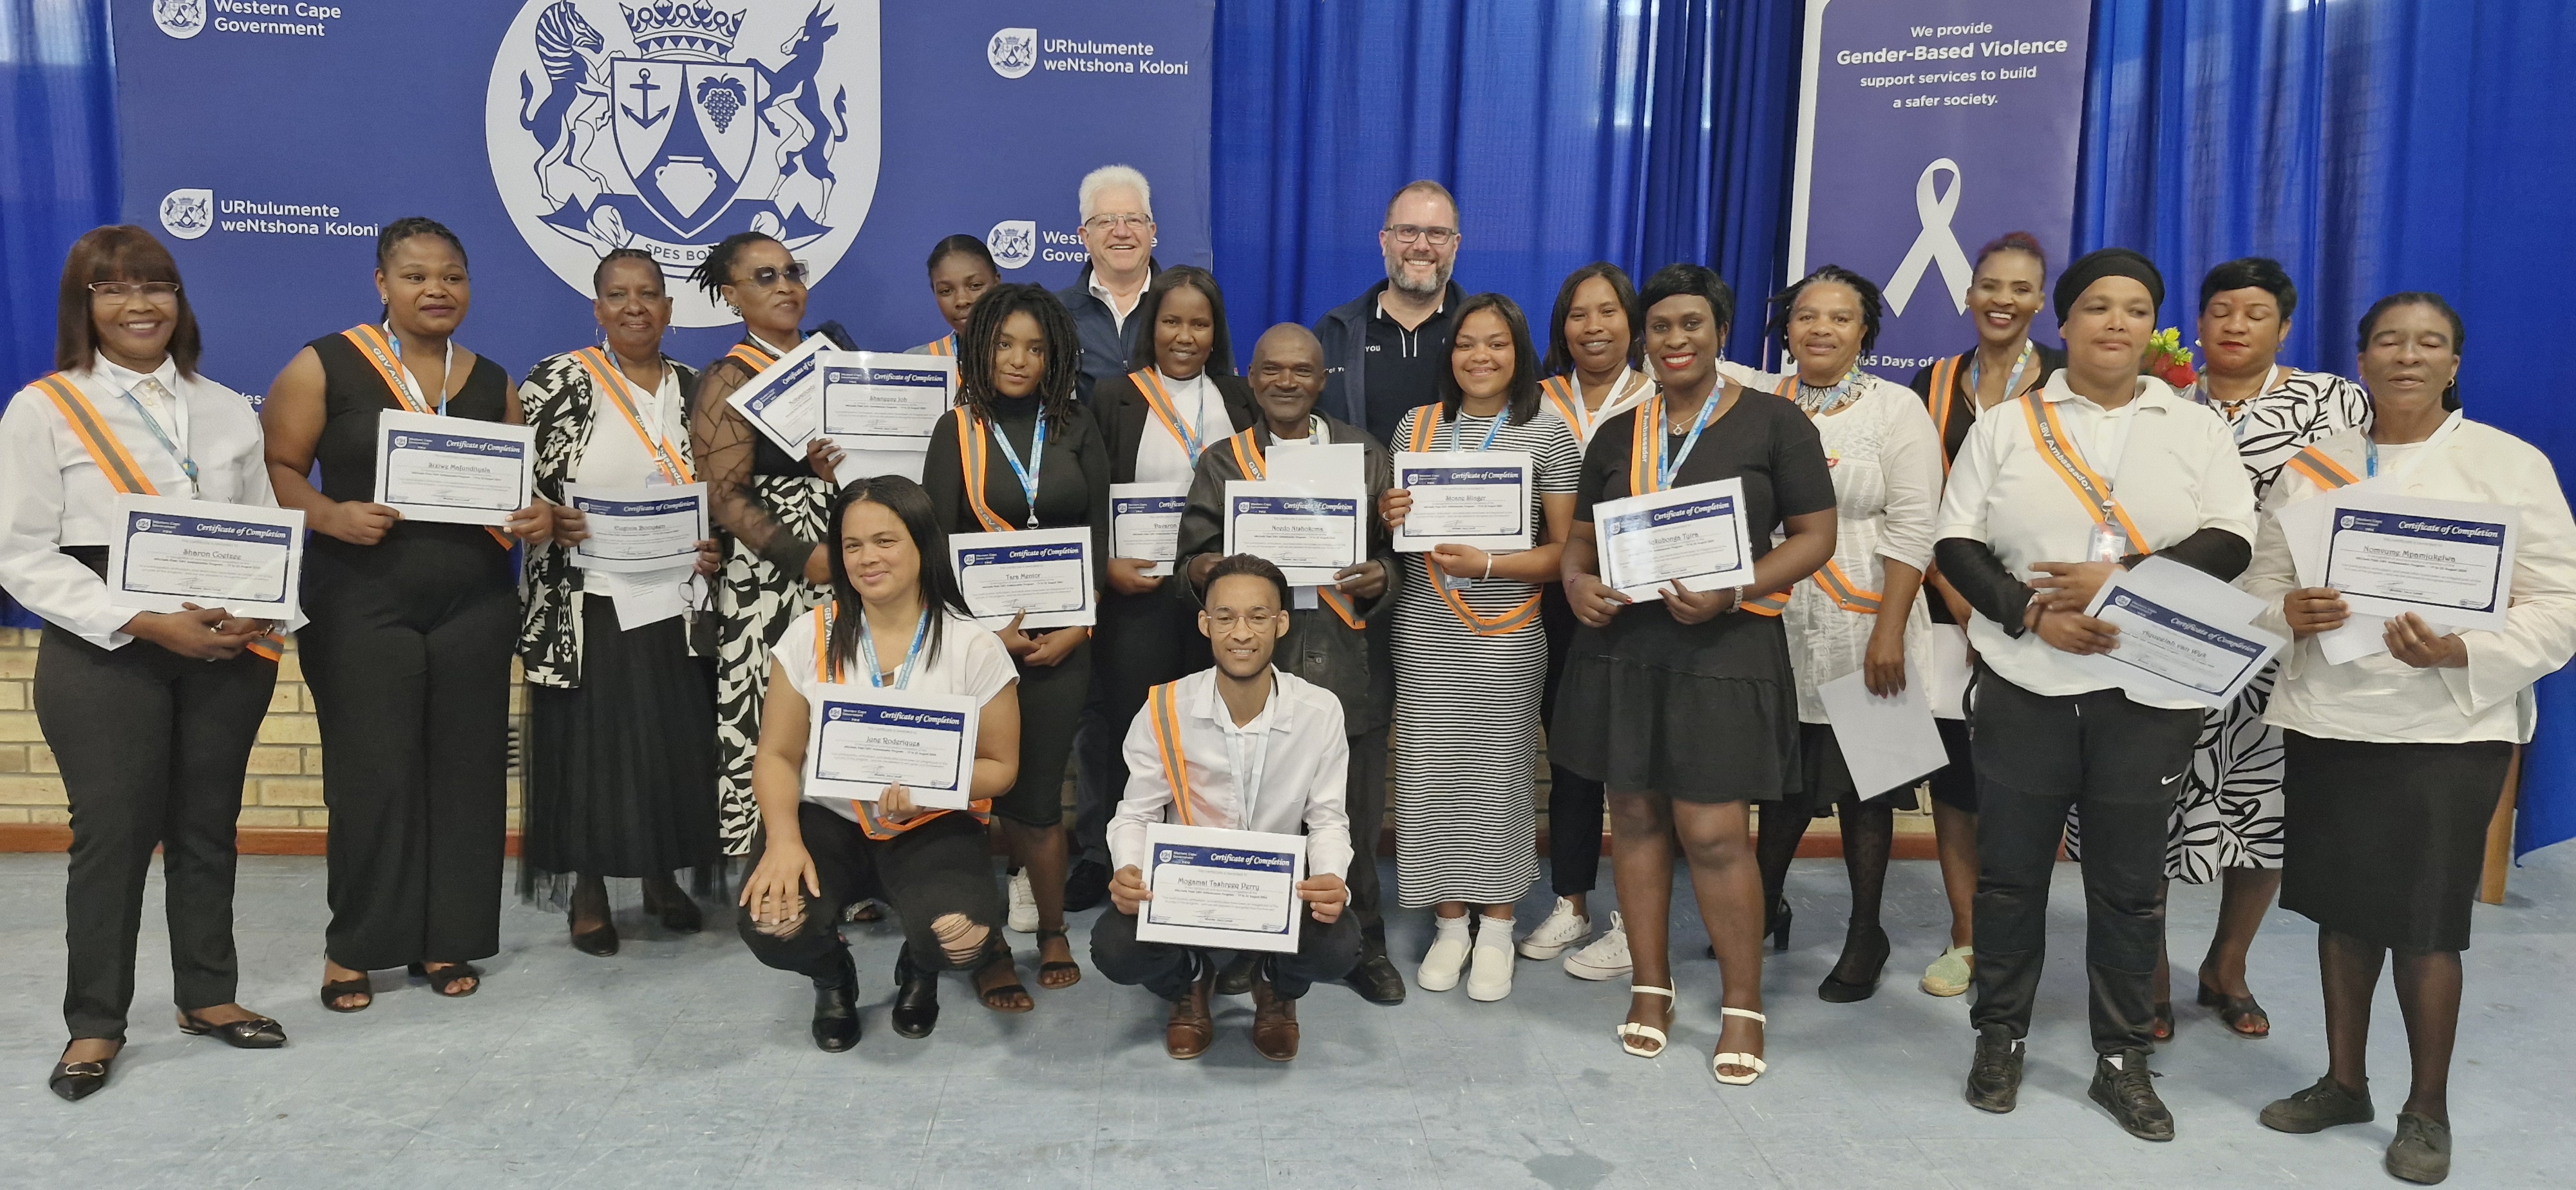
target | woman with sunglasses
[
  {"x": 769, "y": 503},
  {"x": 150, "y": 715}
]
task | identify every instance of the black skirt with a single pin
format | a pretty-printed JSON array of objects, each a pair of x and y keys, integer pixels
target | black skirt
[
  {"x": 1703, "y": 713},
  {"x": 1827, "y": 777},
  {"x": 2386, "y": 842},
  {"x": 621, "y": 770}
]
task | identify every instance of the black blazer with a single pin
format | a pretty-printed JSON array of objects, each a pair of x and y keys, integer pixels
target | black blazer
[
  {"x": 1123, "y": 415},
  {"x": 1960, "y": 405}
]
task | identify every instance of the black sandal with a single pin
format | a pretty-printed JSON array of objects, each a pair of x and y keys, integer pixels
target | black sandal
[
  {"x": 1047, "y": 967},
  {"x": 996, "y": 997},
  {"x": 257, "y": 1033},
  {"x": 333, "y": 990},
  {"x": 2234, "y": 1010},
  {"x": 444, "y": 980}
]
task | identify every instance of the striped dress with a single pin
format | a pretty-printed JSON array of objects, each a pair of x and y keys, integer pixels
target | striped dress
[{"x": 1467, "y": 703}]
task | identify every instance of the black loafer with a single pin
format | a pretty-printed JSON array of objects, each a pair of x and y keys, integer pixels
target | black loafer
[
  {"x": 916, "y": 997},
  {"x": 1086, "y": 886},
  {"x": 1376, "y": 979},
  {"x": 257, "y": 1033},
  {"x": 836, "y": 1010},
  {"x": 75, "y": 1081}
]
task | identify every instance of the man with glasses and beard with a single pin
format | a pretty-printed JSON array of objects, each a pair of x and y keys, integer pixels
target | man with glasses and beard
[
  {"x": 1388, "y": 347},
  {"x": 1118, "y": 235}
]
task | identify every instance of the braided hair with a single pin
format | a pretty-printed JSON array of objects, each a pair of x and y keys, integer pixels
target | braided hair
[
  {"x": 599, "y": 275},
  {"x": 716, "y": 271},
  {"x": 984, "y": 327}
]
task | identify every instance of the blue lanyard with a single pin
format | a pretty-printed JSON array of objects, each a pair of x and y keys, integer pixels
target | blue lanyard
[
  {"x": 868, "y": 649},
  {"x": 2012, "y": 382},
  {"x": 437, "y": 408},
  {"x": 1458, "y": 430},
  {"x": 1665, "y": 471},
  {"x": 187, "y": 464},
  {"x": 2370, "y": 461},
  {"x": 1028, "y": 473}
]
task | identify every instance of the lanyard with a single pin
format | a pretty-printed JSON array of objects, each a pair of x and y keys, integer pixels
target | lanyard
[
  {"x": 187, "y": 462},
  {"x": 1167, "y": 409},
  {"x": 605, "y": 374},
  {"x": 1027, "y": 472},
  {"x": 2012, "y": 382},
  {"x": 403, "y": 372},
  {"x": 911, "y": 657},
  {"x": 1458, "y": 430},
  {"x": 2370, "y": 456},
  {"x": 1665, "y": 471},
  {"x": 2236, "y": 421}
]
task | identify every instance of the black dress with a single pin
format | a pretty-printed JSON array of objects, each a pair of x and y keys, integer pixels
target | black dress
[
  {"x": 407, "y": 653},
  {"x": 1698, "y": 712}
]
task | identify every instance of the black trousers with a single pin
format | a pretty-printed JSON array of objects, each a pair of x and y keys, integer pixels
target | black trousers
[
  {"x": 152, "y": 747},
  {"x": 1051, "y": 702},
  {"x": 2121, "y": 764},
  {"x": 1364, "y": 795},
  {"x": 1168, "y": 970},
  {"x": 1142, "y": 642},
  {"x": 942, "y": 867},
  {"x": 1574, "y": 801},
  {"x": 408, "y": 656}
]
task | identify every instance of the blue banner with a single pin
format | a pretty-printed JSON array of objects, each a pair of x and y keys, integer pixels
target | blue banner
[
  {"x": 1925, "y": 129},
  {"x": 266, "y": 142}
]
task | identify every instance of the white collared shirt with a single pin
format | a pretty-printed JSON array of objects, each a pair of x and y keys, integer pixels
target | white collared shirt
[
  {"x": 52, "y": 494},
  {"x": 1297, "y": 785},
  {"x": 1159, "y": 457},
  {"x": 1629, "y": 390},
  {"x": 1118, "y": 313},
  {"x": 2177, "y": 472}
]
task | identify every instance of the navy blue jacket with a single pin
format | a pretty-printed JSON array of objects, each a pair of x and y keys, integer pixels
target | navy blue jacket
[
  {"x": 1344, "y": 334},
  {"x": 1105, "y": 345}
]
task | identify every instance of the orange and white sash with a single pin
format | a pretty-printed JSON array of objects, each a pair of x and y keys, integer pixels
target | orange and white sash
[
  {"x": 975, "y": 459},
  {"x": 1248, "y": 459},
  {"x": 1421, "y": 427},
  {"x": 1943, "y": 400},
  {"x": 1560, "y": 392},
  {"x": 613, "y": 384},
  {"x": 1645, "y": 477},
  {"x": 374, "y": 348},
  {"x": 116, "y": 464},
  {"x": 1158, "y": 397},
  {"x": 827, "y": 668},
  {"x": 945, "y": 345},
  {"x": 753, "y": 355},
  {"x": 2321, "y": 469},
  {"x": 1164, "y": 714},
  {"x": 2049, "y": 434}
]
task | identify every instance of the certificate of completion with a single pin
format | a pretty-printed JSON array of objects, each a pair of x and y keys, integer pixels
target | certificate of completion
[
  {"x": 1479, "y": 498},
  {"x": 1145, "y": 522},
  {"x": 169, "y": 551},
  {"x": 785, "y": 401},
  {"x": 1693, "y": 535},
  {"x": 1309, "y": 537},
  {"x": 454, "y": 469},
  {"x": 2183, "y": 635},
  {"x": 1233, "y": 889},
  {"x": 861, "y": 739},
  {"x": 1043, "y": 572},
  {"x": 876, "y": 400},
  {"x": 640, "y": 529},
  {"x": 2450, "y": 560}
]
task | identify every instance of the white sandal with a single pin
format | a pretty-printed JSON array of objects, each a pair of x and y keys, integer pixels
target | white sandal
[
  {"x": 1751, "y": 1061},
  {"x": 1630, "y": 1031}
]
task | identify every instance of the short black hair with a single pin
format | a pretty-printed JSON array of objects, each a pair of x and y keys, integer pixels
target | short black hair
[
  {"x": 2418, "y": 297},
  {"x": 1251, "y": 564},
  {"x": 961, "y": 242},
  {"x": 599, "y": 275},
  {"x": 2252, "y": 272},
  {"x": 406, "y": 228},
  {"x": 1692, "y": 280},
  {"x": 1784, "y": 303},
  {"x": 716, "y": 271},
  {"x": 1560, "y": 358}
]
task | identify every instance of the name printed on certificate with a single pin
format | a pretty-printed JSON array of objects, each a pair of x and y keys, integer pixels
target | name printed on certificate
[
  {"x": 1694, "y": 535},
  {"x": 1045, "y": 573},
  {"x": 876, "y": 400},
  {"x": 785, "y": 401},
  {"x": 1223, "y": 888},
  {"x": 169, "y": 551},
  {"x": 2183, "y": 635},
  {"x": 640, "y": 529},
  {"x": 2448, "y": 559},
  {"x": 861, "y": 739},
  {"x": 1478, "y": 498},
  {"x": 1145, "y": 523},
  {"x": 452, "y": 469},
  {"x": 1309, "y": 537}
]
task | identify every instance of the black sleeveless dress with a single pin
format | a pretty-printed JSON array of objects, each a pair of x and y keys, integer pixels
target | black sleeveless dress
[{"x": 408, "y": 657}]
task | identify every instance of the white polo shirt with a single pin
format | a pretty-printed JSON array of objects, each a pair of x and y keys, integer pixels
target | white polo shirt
[{"x": 2172, "y": 464}]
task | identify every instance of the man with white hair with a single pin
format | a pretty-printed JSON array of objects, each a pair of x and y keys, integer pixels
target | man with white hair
[
  {"x": 1386, "y": 348},
  {"x": 1118, "y": 235}
]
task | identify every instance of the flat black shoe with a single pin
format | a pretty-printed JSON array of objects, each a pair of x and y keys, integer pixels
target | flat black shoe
[
  {"x": 916, "y": 997},
  {"x": 676, "y": 910},
  {"x": 2318, "y": 1108},
  {"x": 1376, "y": 979},
  {"x": 836, "y": 1010},
  {"x": 1085, "y": 886},
  {"x": 257, "y": 1033},
  {"x": 1235, "y": 978},
  {"x": 1837, "y": 990},
  {"x": 2127, "y": 1090},
  {"x": 2422, "y": 1151},
  {"x": 76, "y": 1081},
  {"x": 1994, "y": 1077},
  {"x": 598, "y": 943}
]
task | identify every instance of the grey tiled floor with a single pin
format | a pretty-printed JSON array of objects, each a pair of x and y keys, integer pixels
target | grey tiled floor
[{"x": 681, "y": 1062}]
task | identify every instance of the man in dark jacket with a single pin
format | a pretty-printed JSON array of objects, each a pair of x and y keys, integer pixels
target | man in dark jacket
[
  {"x": 1386, "y": 348},
  {"x": 1337, "y": 639},
  {"x": 1118, "y": 235}
]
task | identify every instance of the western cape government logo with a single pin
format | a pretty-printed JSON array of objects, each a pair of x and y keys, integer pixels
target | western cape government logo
[
  {"x": 188, "y": 214},
  {"x": 182, "y": 19},
  {"x": 1013, "y": 52},
  {"x": 669, "y": 126},
  {"x": 1013, "y": 242}
]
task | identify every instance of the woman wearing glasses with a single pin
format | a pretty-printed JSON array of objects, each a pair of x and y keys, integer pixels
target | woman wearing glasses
[
  {"x": 768, "y": 502},
  {"x": 412, "y": 626},
  {"x": 961, "y": 269},
  {"x": 150, "y": 715}
]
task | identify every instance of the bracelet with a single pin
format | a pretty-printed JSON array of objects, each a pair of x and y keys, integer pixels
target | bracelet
[
  {"x": 1489, "y": 563},
  {"x": 1738, "y": 605}
]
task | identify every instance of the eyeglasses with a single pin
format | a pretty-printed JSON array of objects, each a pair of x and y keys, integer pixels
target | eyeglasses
[
  {"x": 1112, "y": 222},
  {"x": 1406, "y": 233},
  {"x": 765, "y": 276},
  {"x": 158, "y": 291},
  {"x": 1259, "y": 618}
]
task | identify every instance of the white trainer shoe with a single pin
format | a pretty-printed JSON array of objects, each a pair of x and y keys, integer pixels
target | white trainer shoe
[
  {"x": 1489, "y": 971},
  {"x": 1562, "y": 929},
  {"x": 1441, "y": 965},
  {"x": 1606, "y": 958},
  {"x": 1024, "y": 905}
]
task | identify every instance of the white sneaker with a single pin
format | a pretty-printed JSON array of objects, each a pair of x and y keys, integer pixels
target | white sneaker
[
  {"x": 1024, "y": 905},
  {"x": 1440, "y": 967},
  {"x": 1562, "y": 929},
  {"x": 1489, "y": 972},
  {"x": 1606, "y": 958}
]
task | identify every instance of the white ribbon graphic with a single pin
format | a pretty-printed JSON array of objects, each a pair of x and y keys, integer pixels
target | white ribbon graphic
[{"x": 1937, "y": 243}]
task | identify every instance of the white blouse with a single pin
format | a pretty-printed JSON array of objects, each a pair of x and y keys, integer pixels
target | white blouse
[
  {"x": 1629, "y": 390},
  {"x": 1159, "y": 457},
  {"x": 2380, "y": 699},
  {"x": 614, "y": 456},
  {"x": 52, "y": 494}
]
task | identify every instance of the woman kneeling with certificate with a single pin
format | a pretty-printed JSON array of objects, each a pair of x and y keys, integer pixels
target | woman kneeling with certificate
[{"x": 897, "y": 627}]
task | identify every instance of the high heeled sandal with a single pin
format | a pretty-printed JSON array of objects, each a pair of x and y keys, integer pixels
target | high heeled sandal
[
  {"x": 1630, "y": 1032},
  {"x": 1753, "y": 1062},
  {"x": 444, "y": 980},
  {"x": 256, "y": 1033}
]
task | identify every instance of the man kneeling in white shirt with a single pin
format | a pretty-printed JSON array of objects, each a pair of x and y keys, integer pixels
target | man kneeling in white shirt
[{"x": 1260, "y": 750}]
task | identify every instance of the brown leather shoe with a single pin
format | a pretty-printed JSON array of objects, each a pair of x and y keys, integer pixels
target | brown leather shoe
[
  {"x": 1190, "y": 1030},
  {"x": 1274, "y": 1022}
]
